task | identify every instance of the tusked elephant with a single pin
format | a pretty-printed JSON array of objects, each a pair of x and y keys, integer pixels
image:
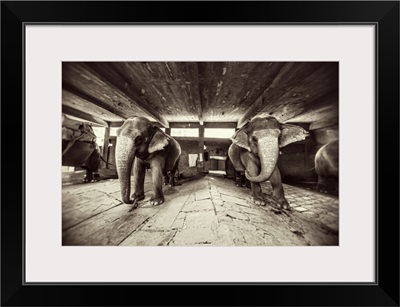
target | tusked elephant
[
  {"x": 139, "y": 143},
  {"x": 255, "y": 151},
  {"x": 327, "y": 167}
]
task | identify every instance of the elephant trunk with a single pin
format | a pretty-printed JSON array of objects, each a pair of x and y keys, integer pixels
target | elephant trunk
[
  {"x": 124, "y": 158},
  {"x": 268, "y": 151}
]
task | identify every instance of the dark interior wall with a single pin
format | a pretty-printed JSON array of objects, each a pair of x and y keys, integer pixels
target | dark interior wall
[
  {"x": 325, "y": 135},
  {"x": 111, "y": 153},
  {"x": 218, "y": 149},
  {"x": 187, "y": 147},
  {"x": 296, "y": 161},
  {"x": 191, "y": 147}
]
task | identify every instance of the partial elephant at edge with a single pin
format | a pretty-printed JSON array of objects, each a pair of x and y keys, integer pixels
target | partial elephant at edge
[
  {"x": 79, "y": 148},
  {"x": 327, "y": 167}
]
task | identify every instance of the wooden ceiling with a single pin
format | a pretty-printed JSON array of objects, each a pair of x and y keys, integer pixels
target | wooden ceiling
[{"x": 166, "y": 92}]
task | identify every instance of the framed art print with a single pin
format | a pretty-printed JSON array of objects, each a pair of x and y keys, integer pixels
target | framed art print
[{"x": 239, "y": 147}]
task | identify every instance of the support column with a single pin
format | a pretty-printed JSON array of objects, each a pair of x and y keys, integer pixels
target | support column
[
  {"x": 105, "y": 145},
  {"x": 200, "y": 161},
  {"x": 168, "y": 131}
]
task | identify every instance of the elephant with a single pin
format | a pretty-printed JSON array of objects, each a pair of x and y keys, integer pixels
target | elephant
[
  {"x": 139, "y": 142},
  {"x": 255, "y": 151},
  {"x": 327, "y": 167}
]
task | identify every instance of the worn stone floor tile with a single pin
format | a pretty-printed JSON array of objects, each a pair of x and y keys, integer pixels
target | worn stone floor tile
[
  {"x": 149, "y": 238},
  {"x": 200, "y": 219},
  {"x": 193, "y": 236},
  {"x": 202, "y": 194},
  {"x": 235, "y": 200},
  {"x": 300, "y": 209},
  {"x": 237, "y": 215},
  {"x": 199, "y": 205}
]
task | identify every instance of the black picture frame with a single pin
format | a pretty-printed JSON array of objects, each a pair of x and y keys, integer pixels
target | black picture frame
[{"x": 383, "y": 14}]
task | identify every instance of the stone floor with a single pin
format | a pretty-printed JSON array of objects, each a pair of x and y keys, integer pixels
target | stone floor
[{"x": 207, "y": 210}]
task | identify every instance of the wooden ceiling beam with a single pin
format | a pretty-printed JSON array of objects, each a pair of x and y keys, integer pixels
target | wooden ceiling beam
[
  {"x": 84, "y": 116},
  {"x": 184, "y": 125},
  {"x": 259, "y": 102},
  {"x": 194, "y": 77},
  {"x": 78, "y": 103},
  {"x": 304, "y": 86},
  {"x": 325, "y": 123},
  {"x": 206, "y": 125},
  {"x": 220, "y": 125},
  {"x": 117, "y": 81},
  {"x": 116, "y": 124},
  {"x": 119, "y": 124},
  {"x": 77, "y": 92}
]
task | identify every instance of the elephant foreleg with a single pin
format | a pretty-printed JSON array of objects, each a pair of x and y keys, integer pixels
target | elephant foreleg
[
  {"x": 157, "y": 165},
  {"x": 277, "y": 189},
  {"x": 88, "y": 176},
  {"x": 139, "y": 172},
  {"x": 92, "y": 167},
  {"x": 172, "y": 174},
  {"x": 95, "y": 168},
  {"x": 96, "y": 176},
  {"x": 239, "y": 179},
  {"x": 254, "y": 169},
  {"x": 166, "y": 176}
]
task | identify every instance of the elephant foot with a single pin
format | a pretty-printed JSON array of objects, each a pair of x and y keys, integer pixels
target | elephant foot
[
  {"x": 156, "y": 201},
  {"x": 136, "y": 199},
  {"x": 239, "y": 181},
  {"x": 259, "y": 201},
  {"x": 87, "y": 179},
  {"x": 283, "y": 203},
  {"x": 96, "y": 177},
  {"x": 327, "y": 188},
  {"x": 276, "y": 202},
  {"x": 173, "y": 183}
]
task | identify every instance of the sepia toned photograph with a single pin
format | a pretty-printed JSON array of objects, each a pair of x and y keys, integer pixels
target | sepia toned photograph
[
  {"x": 200, "y": 154},
  {"x": 200, "y": 150}
]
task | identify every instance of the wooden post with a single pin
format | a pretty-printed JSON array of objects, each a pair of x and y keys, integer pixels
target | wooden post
[
  {"x": 306, "y": 153},
  {"x": 200, "y": 164},
  {"x": 105, "y": 146},
  {"x": 168, "y": 131}
]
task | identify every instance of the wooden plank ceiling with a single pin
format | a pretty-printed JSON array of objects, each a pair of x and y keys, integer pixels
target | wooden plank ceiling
[{"x": 168, "y": 92}]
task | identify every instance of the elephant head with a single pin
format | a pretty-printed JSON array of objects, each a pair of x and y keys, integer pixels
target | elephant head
[
  {"x": 137, "y": 137},
  {"x": 263, "y": 136}
]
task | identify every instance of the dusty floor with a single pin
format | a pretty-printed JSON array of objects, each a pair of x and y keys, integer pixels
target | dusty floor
[{"x": 207, "y": 210}]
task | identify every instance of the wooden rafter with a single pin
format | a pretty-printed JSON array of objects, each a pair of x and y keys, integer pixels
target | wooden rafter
[
  {"x": 117, "y": 82},
  {"x": 86, "y": 117}
]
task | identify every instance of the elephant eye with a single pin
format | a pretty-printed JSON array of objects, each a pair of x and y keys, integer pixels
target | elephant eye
[
  {"x": 138, "y": 140},
  {"x": 254, "y": 139}
]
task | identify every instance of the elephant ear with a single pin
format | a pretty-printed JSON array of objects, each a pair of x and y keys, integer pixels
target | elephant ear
[
  {"x": 291, "y": 134},
  {"x": 240, "y": 138},
  {"x": 159, "y": 141}
]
